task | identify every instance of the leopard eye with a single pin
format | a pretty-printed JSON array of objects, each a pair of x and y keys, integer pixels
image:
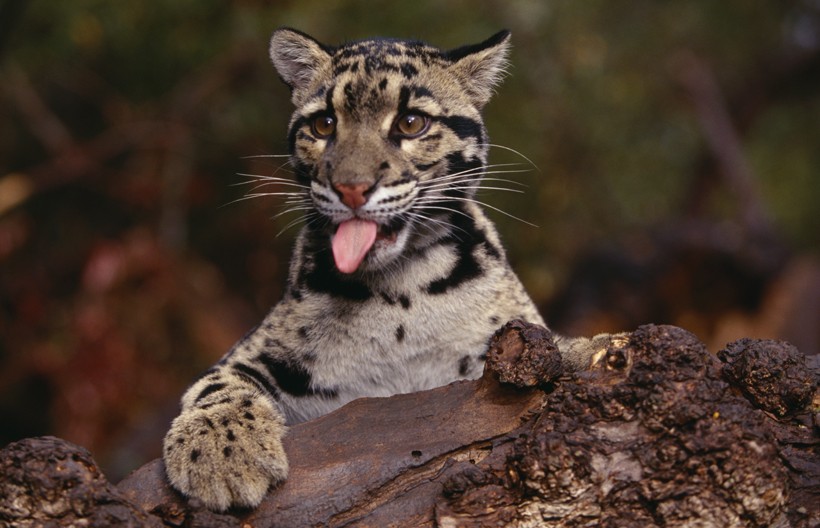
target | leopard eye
[
  {"x": 323, "y": 126},
  {"x": 411, "y": 125}
]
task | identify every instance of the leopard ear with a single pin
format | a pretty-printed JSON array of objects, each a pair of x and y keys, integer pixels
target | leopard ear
[
  {"x": 297, "y": 57},
  {"x": 481, "y": 67}
]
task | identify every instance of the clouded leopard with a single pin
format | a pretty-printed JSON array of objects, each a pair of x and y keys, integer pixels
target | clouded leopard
[{"x": 397, "y": 279}]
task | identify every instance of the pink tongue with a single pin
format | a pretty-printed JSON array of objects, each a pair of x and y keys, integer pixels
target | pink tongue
[{"x": 352, "y": 241}]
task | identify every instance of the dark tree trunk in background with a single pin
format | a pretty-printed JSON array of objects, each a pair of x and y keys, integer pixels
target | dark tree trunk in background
[{"x": 658, "y": 433}]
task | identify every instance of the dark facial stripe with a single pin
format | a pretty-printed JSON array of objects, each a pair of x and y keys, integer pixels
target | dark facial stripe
[
  {"x": 466, "y": 238},
  {"x": 404, "y": 99},
  {"x": 464, "y": 127},
  {"x": 293, "y": 133},
  {"x": 303, "y": 172}
]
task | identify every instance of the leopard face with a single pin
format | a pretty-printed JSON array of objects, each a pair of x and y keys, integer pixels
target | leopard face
[{"x": 387, "y": 138}]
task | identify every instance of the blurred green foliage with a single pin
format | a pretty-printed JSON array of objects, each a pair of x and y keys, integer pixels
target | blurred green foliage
[{"x": 124, "y": 125}]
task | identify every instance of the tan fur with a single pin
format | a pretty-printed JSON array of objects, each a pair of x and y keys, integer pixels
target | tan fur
[{"x": 419, "y": 309}]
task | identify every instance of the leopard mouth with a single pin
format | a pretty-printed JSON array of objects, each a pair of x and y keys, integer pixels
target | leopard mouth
[
  {"x": 387, "y": 234},
  {"x": 356, "y": 239}
]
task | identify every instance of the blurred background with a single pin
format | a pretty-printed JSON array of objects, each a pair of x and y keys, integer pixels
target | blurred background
[{"x": 675, "y": 178}]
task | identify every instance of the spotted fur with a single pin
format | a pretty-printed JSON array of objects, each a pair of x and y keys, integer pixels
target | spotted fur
[{"x": 388, "y": 131}]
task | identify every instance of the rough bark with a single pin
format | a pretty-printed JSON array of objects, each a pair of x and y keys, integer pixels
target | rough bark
[{"x": 658, "y": 433}]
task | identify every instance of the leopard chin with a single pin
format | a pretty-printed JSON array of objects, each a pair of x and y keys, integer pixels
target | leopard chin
[{"x": 387, "y": 250}]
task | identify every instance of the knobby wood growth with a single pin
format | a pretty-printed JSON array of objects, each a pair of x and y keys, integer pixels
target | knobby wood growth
[{"x": 658, "y": 433}]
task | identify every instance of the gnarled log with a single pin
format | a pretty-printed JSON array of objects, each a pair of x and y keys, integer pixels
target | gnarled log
[{"x": 658, "y": 433}]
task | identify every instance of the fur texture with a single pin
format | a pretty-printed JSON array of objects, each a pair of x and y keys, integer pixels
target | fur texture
[{"x": 386, "y": 133}]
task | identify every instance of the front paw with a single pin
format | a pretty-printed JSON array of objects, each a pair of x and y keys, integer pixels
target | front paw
[{"x": 227, "y": 453}]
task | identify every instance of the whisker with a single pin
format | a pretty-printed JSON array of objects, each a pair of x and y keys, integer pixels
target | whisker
[
  {"x": 483, "y": 204},
  {"x": 265, "y": 156},
  {"x": 426, "y": 222},
  {"x": 484, "y": 169},
  {"x": 270, "y": 180},
  {"x": 471, "y": 178},
  {"x": 493, "y": 145},
  {"x": 258, "y": 195},
  {"x": 439, "y": 208},
  {"x": 477, "y": 186},
  {"x": 302, "y": 218}
]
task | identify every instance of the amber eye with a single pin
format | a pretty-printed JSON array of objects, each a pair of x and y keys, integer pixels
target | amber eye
[
  {"x": 323, "y": 126},
  {"x": 411, "y": 125}
]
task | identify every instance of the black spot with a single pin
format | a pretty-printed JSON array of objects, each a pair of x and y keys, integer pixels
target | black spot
[
  {"x": 246, "y": 403},
  {"x": 416, "y": 453},
  {"x": 296, "y": 294},
  {"x": 209, "y": 422},
  {"x": 404, "y": 301},
  {"x": 340, "y": 69},
  {"x": 464, "y": 366},
  {"x": 230, "y": 436},
  {"x": 210, "y": 389},
  {"x": 195, "y": 455},
  {"x": 292, "y": 378},
  {"x": 352, "y": 95},
  {"x": 400, "y": 333},
  {"x": 180, "y": 441},
  {"x": 225, "y": 422},
  {"x": 383, "y": 84},
  {"x": 384, "y": 166},
  {"x": 303, "y": 332},
  {"x": 408, "y": 70},
  {"x": 249, "y": 416},
  {"x": 227, "y": 451},
  {"x": 389, "y": 300},
  {"x": 495, "y": 320},
  {"x": 420, "y": 91},
  {"x": 257, "y": 377},
  {"x": 491, "y": 249}
]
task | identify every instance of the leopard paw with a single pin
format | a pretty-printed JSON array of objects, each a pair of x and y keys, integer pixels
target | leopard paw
[{"x": 227, "y": 453}]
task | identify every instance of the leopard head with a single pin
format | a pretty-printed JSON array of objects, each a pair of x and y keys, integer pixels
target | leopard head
[{"x": 387, "y": 135}]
